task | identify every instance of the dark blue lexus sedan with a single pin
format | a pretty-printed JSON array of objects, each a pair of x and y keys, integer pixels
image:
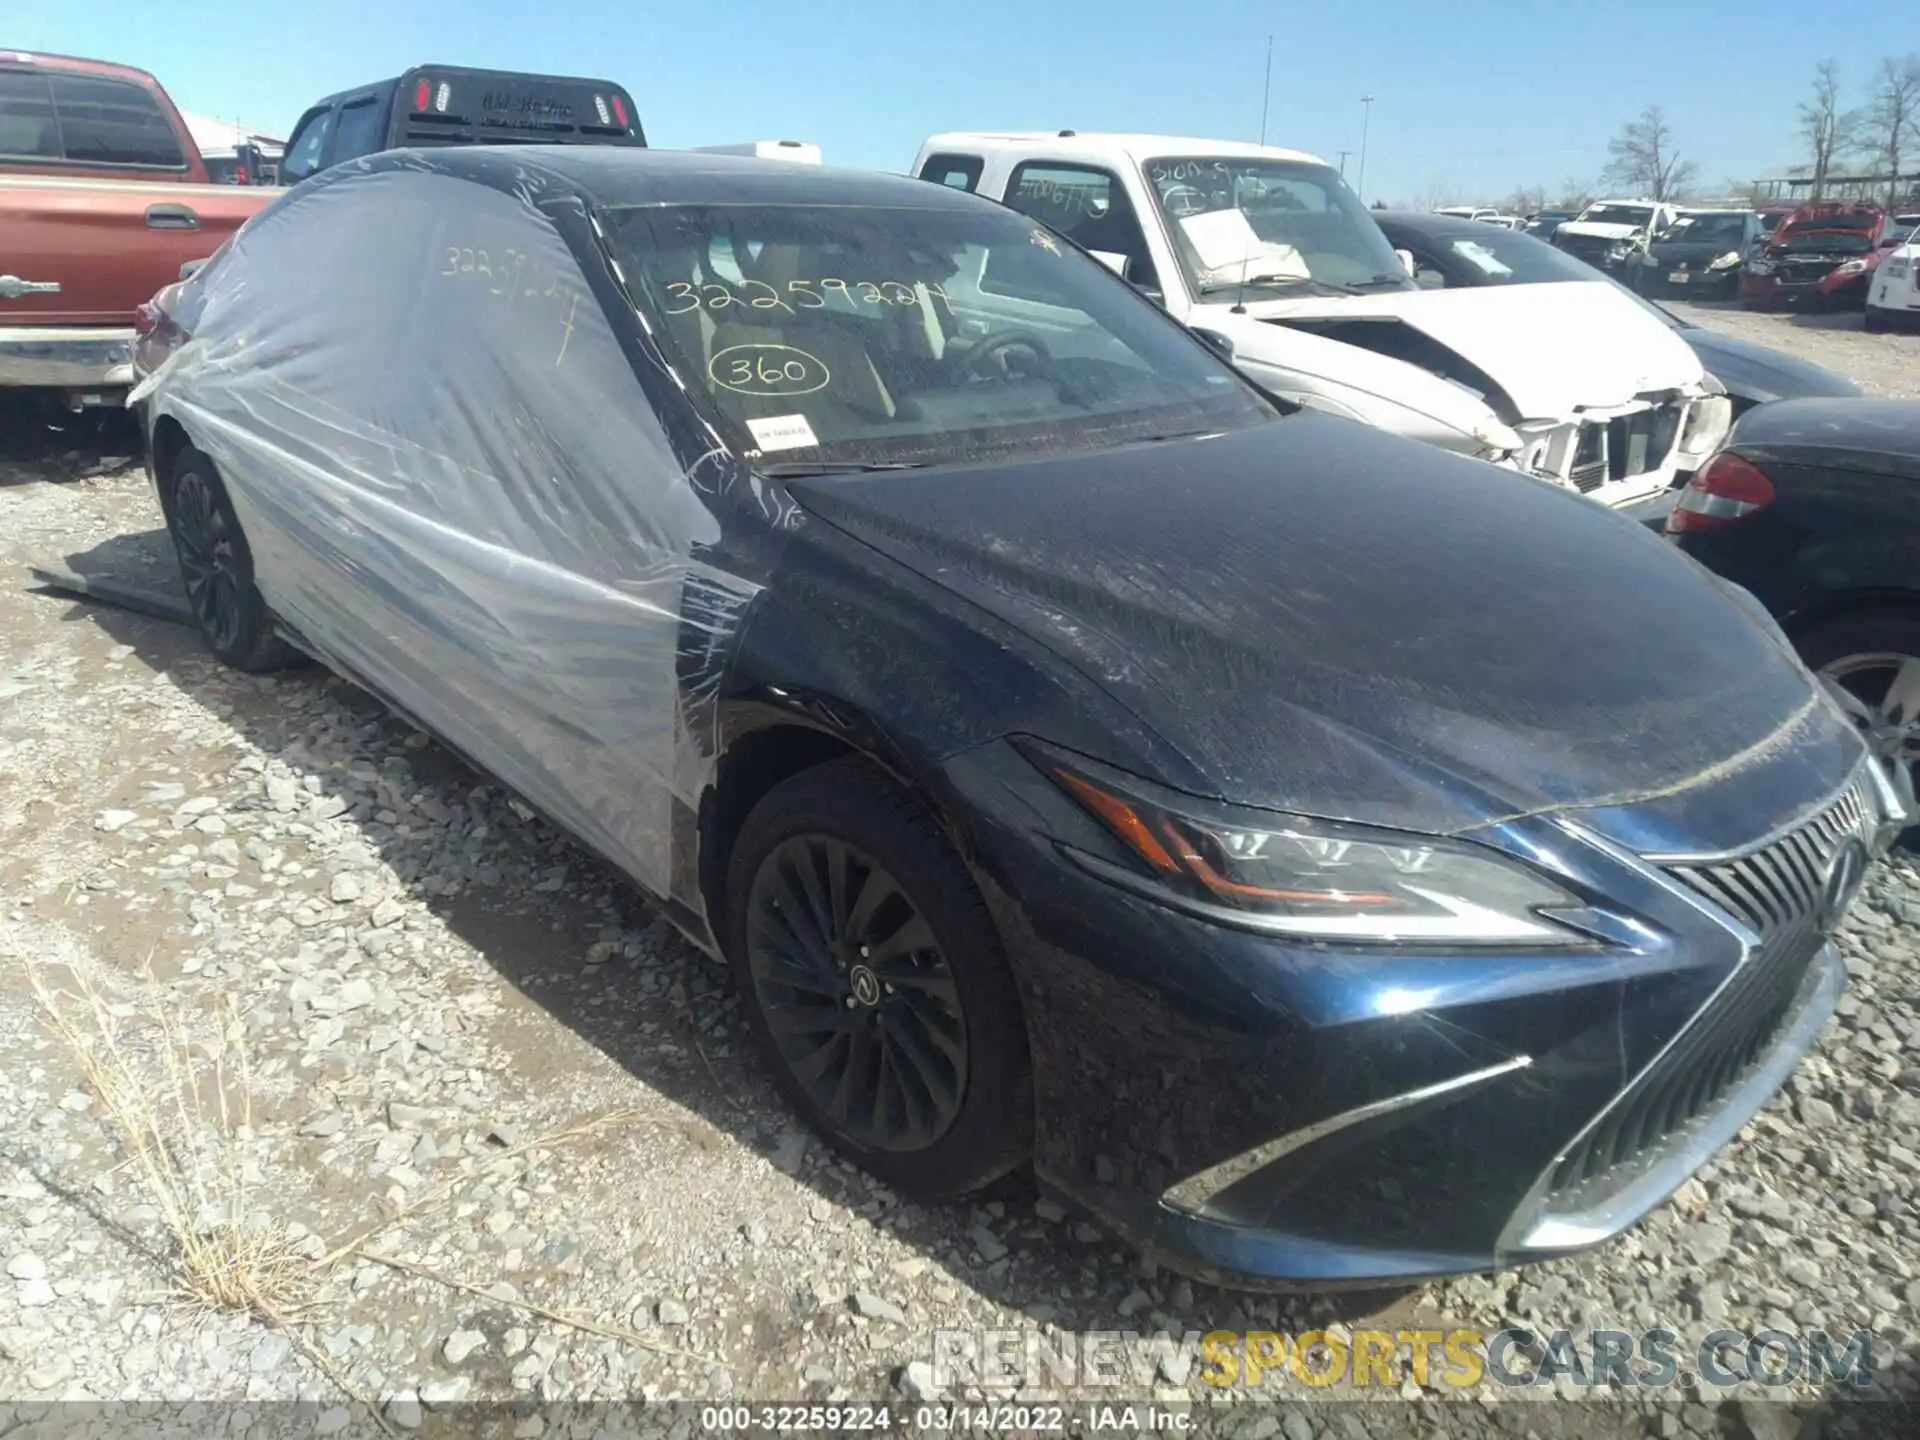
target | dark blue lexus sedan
[{"x": 1327, "y": 859}]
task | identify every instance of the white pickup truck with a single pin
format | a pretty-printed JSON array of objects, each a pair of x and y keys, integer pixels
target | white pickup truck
[{"x": 1267, "y": 254}]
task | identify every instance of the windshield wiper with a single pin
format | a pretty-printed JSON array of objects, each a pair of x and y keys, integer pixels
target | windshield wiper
[
  {"x": 1217, "y": 287},
  {"x": 1402, "y": 280},
  {"x": 801, "y": 469}
]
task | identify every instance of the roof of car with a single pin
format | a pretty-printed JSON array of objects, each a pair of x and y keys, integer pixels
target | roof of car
[
  {"x": 1091, "y": 144},
  {"x": 76, "y": 64},
  {"x": 1434, "y": 222},
  {"x": 455, "y": 71},
  {"x": 620, "y": 175}
]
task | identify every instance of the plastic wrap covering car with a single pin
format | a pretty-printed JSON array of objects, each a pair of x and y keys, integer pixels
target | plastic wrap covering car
[{"x": 417, "y": 404}]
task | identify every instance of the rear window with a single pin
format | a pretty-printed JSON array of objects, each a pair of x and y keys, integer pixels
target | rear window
[
  {"x": 113, "y": 122},
  {"x": 494, "y": 108}
]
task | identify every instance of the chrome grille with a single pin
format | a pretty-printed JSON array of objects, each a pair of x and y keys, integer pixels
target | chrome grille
[
  {"x": 1781, "y": 883},
  {"x": 1623, "y": 447},
  {"x": 1777, "y": 891}
]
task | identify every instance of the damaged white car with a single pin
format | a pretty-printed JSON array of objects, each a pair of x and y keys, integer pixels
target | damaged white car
[
  {"x": 1267, "y": 254},
  {"x": 1608, "y": 231}
]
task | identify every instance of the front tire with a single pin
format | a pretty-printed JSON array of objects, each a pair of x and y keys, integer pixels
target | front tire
[
  {"x": 875, "y": 981},
  {"x": 216, "y": 568}
]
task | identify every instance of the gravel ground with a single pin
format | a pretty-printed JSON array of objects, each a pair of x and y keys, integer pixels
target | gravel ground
[{"x": 491, "y": 1131}]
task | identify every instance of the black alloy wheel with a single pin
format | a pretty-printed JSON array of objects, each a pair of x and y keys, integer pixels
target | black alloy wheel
[
  {"x": 861, "y": 1001},
  {"x": 204, "y": 539},
  {"x": 874, "y": 978},
  {"x": 216, "y": 568}
]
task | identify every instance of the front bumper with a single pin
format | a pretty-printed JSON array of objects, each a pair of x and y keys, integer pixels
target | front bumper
[
  {"x": 1817, "y": 291},
  {"x": 1273, "y": 1115},
  {"x": 66, "y": 358},
  {"x": 1655, "y": 277}
]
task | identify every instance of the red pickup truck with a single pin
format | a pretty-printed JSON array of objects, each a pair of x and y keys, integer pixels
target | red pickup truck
[{"x": 103, "y": 197}]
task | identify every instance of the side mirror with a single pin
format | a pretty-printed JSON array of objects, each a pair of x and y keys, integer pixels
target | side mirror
[
  {"x": 1117, "y": 263},
  {"x": 1216, "y": 342},
  {"x": 1406, "y": 261},
  {"x": 190, "y": 268},
  {"x": 1893, "y": 242}
]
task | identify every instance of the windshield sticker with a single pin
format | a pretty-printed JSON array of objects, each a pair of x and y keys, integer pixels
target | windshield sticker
[
  {"x": 685, "y": 296},
  {"x": 1045, "y": 241},
  {"x": 1482, "y": 258},
  {"x": 765, "y": 369},
  {"x": 782, "y": 432}
]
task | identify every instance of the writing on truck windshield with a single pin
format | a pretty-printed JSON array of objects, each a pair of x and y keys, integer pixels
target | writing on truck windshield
[
  {"x": 1274, "y": 224},
  {"x": 905, "y": 336}
]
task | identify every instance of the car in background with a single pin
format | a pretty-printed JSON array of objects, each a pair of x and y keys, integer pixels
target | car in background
[
  {"x": 1468, "y": 212},
  {"x": 1822, "y": 256},
  {"x": 1031, "y": 719},
  {"x": 1700, "y": 254},
  {"x": 437, "y": 105},
  {"x": 1546, "y": 223},
  {"x": 1608, "y": 231},
  {"x": 1893, "y": 301},
  {"x": 1269, "y": 252},
  {"x": 1814, "y": 507},
  {"x": 103, "y": 197},
  {"x": 1448, "y": 253}
]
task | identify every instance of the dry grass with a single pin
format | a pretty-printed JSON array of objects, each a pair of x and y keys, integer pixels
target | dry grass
[
  {"x": 178, "y": 1097},
  {"x": 179, "y": 1101}
]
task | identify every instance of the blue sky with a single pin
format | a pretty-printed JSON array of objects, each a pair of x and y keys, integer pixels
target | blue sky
[{"x": 1471, "y": 96}]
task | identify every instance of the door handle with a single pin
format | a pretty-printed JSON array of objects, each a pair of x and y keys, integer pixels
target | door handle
[
  {"x": 172, "y": 217},
  {"x": 12, "y": 287}
]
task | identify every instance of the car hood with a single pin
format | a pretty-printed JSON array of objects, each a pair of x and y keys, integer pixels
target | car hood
[
  {"x": 1324, "y": 618},
  {"x": 1518, "y": 336},
  {"x": 1755, "y": 373}
]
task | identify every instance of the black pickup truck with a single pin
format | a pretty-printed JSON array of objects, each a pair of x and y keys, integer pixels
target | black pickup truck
[{"x": 453, "y": 105}]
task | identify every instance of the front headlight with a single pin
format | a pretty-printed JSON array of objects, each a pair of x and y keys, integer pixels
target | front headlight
[
  {"x": 1315, "y": 879},
  {"x": 1726, "y": 261},
  {"x": 1849, "y": 267},
  {"x": 1616, "y": 254}
]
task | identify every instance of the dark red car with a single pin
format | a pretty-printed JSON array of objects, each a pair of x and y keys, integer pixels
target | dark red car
[{"x": 1821, "y": 255}]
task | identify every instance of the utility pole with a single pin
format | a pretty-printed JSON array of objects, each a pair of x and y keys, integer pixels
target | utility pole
[
  {"x": 1266, "y": 92},
  {"x": 1366, "y": 120}
]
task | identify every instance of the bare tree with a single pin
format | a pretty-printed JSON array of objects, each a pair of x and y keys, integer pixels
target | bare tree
[
  {"x": 1435, "y": 193},
  {"x": 1890, "y": 123},
  {"x": 1576, "y": 194},
  {"x": 1828, "y": 130},
  {"x": 1644, "y": 160}
]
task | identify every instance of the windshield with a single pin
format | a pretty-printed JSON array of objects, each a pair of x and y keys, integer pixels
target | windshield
[
  {"x": 1708, "y": 230},
  {"x": 823, "y": 337},
  {"x": 1617, "y": 214},
  {"x": 1820, "y": 238},
  {"x": 1504, "y": 257},
  {"x": 1271, "y": 224}
]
